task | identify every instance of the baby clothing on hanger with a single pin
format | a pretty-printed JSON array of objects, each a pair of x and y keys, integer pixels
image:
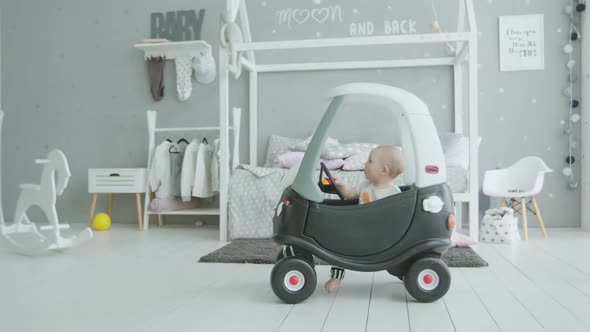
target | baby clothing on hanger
[
  {"x": 190, "y": 172},
  {"x": 202, "y": 183},
  {"x": 175, "y": 168},
  {"x": 187, "y": 177},
  {"x": 164, "y": 177},
  {"x": 184, "y": 76},
  {"x": 215, "y": 166},
  {"x": 160, "y": 175}
]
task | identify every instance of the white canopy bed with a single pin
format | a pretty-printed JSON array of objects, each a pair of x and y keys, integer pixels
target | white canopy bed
[{"x": 240, "y": 52}]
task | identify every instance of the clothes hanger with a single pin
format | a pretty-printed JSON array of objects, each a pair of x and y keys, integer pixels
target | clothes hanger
[
  {"x": 182, "y": 140},
  {"x": 205, "y": 140},
  {"x": 173, "y": 149},
  {"x": 169, "y": 140}
]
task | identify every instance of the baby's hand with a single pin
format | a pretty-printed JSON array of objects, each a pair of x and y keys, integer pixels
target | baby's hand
[{"x": 347, "y": 191}]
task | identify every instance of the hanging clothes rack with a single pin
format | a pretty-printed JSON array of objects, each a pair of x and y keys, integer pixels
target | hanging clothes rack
[{"x": 224, "y": 166}]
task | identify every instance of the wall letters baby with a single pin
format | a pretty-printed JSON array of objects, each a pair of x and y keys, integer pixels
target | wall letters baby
[{"x": 182, "y": 25}]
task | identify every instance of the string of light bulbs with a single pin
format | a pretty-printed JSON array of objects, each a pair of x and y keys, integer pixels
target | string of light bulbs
[{"x": 573, "y": 116}]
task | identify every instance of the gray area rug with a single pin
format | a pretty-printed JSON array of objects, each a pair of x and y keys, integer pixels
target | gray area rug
[{"x": 264, "y": 251}]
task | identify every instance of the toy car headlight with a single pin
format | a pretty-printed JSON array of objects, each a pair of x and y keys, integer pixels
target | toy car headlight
[{"x": 432, "y": 204}]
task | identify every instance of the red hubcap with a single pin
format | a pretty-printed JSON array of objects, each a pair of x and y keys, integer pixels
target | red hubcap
[
  {"x": 294, "y": 280},
  {"x": 427, "y": 279}
]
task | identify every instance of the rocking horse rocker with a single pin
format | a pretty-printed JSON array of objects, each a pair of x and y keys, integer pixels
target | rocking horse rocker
[{"x": 44, "y": 196}]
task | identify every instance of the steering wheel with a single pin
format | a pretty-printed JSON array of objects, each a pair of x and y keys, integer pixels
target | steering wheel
[{"x": 327, "y": 185}]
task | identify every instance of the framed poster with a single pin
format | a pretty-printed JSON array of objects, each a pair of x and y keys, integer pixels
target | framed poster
[{"x": 521, "y": 42}]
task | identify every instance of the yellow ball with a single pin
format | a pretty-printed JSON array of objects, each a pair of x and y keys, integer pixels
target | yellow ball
[{"x": 102, "y": 222}]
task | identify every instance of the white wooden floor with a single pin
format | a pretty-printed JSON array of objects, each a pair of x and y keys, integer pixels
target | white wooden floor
[{"x": 125, "y": 280}]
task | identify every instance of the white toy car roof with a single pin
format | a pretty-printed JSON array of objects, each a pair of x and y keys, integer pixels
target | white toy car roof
[{"x": 420, "y": 140}]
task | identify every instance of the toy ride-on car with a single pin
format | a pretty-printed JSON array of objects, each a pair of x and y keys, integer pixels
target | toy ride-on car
[{"x": 405, "y": 234}]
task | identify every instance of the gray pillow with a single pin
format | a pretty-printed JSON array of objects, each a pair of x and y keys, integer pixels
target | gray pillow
[{"x": 278, "y": 145}]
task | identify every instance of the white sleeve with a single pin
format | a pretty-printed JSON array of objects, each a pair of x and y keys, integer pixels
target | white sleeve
[
  {"x": 187, "y": 175},
  {"x": 164, "y": 172},
  {"x": 184, "y": 176},
  {"x": 197, "y": 174},
  {"x": 202, "y": 184},
  {"x": 215, "y": 167}
]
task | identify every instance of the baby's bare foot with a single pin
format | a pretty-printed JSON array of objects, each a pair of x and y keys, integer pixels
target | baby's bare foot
[{"x": 332, "y": 284}]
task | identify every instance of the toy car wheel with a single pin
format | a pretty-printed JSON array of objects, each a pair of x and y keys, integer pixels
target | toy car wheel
[
  {"x": 428, "y": 279},
  {"x": 293, "y": 279}
]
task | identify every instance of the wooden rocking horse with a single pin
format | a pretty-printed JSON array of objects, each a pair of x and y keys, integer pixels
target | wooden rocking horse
[{"x": 43, "y": 195}]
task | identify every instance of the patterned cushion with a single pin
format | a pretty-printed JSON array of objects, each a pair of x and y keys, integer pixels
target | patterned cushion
[{"x": 278, "y": 145}]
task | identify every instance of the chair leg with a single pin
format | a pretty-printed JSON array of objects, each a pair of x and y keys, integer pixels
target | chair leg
[
  {"x": 539, "y": 217},
  {"x": 524, "y": 221},
  {"x": 111, "y": 205},
  {"x": 92, "y": 208},
  {"x": 138, "y": 205}
]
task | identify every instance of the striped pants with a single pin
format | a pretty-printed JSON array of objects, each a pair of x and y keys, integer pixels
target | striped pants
[{"x": 336, "y": 273}]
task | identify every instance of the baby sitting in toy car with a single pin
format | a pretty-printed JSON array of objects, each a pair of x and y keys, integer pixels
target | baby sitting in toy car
[{"x": 385, "y": 163}]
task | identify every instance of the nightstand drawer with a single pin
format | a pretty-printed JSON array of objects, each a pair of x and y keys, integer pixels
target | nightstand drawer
[{"x": 116, "y": 180}]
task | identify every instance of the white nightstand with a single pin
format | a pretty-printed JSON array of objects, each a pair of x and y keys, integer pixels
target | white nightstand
[{"x": 116, "y": 181}]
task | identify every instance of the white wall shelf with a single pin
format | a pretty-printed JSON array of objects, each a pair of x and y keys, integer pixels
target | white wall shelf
[{"x": 172, "y": 50}]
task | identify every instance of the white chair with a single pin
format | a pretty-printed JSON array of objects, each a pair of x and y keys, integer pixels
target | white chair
[{"x": 519, "y": 183}]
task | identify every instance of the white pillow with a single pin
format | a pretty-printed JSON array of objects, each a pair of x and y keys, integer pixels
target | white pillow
[
  {"x": 456, "y": 149},
  {"x": 278, "y": 145},
  {"x": 302, "y": 145},
  {"x": 347, "y": 150}
]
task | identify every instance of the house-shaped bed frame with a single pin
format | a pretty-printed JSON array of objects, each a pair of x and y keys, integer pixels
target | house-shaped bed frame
[{"x": 238, "y": 55}]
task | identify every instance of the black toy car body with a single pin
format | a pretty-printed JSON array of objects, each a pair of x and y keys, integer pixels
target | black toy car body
[{"x": 405, "y": 234}]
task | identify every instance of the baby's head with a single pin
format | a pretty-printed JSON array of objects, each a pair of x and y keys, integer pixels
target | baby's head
[{"x": 385, "y": 163}]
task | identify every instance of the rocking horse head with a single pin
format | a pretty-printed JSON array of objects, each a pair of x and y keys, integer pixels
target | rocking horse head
[{"x": 59, "y": 163}]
